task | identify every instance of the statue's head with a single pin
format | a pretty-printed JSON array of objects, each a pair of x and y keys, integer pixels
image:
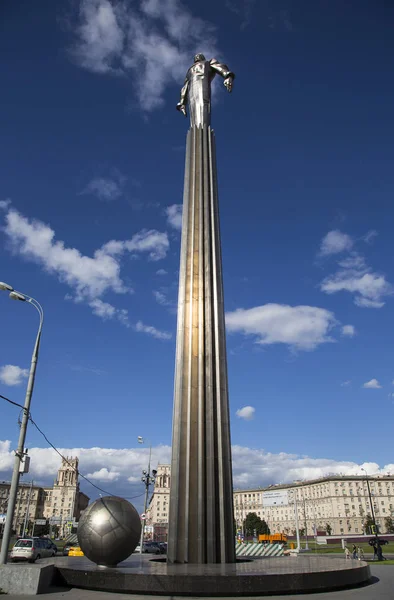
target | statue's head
[{"x": 199, "y": 57}]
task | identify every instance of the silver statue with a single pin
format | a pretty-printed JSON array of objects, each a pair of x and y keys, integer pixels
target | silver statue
[
  {"x": 109, "y": 530},
  {"x": 197, "y": 89}
]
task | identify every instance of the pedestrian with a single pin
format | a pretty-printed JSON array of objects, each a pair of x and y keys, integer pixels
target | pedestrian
[
  {"x": 360, "y": 553},
  {"x": 375, "y": 550},
  {"x": 379, "y": 552},
  {"x": 347, "y": 553},
  {"x": 354, "y": 551}
]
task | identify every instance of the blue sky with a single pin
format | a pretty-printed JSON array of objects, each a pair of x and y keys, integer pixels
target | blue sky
[{"x": 91, "y": 166}]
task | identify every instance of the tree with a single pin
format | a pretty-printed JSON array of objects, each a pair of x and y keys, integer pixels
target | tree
[
  {"x": 265, "y": 530},
  {"x": 368, "y": 524},
  {"x": 389, "y": 523},
  {"x": 302, "y": 531},
  {"x": 328, "y": 529},
  {"x": 253, "y": 525},
  {"x": 55, "y": 531},
  {"x": 41, "y": 529}
]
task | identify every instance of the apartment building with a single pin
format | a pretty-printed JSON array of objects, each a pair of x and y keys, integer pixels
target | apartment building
[
  {"x": 62, "y": 503},
  {"x": 337, "y": 503}
]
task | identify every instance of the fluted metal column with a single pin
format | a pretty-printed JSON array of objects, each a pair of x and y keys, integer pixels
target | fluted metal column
[{"x": 201, "y": 503}]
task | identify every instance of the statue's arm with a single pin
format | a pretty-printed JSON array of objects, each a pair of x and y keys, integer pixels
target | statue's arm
[
  {"x": 181, "y": 106},
  {"x": 223, "y": 70}
]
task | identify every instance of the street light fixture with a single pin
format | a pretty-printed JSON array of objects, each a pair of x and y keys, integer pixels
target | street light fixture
[
  {"x": 147, "y": 479},
  {"x": 294, "y": 495},
  {"x": 19, "y": 454},
  {"x": 371, "y": 504}
]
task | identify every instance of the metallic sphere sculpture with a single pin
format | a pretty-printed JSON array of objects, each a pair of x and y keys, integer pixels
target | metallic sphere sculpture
[{"x": 109, "y": 530}]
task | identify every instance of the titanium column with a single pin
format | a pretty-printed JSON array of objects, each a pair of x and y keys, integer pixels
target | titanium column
[{"x": 201, "y": 522}]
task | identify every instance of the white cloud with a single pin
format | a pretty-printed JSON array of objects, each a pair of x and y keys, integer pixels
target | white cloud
[
  {"x": 373, "y": 384},
  {"x": 4, "y": 204},
  {"x": 105, "y": 188},
  {"x": 174, "y": 215},
  {"x": 150, "y": 330},
  {"x": 370, "y": 236},
  {"x": 335, "y": 242},
  {"x": 104, "y": 475},
  {"x": 13, "y": 375},
  {"x": 348, "y": 330},
  {"x": 106, "y": 311},
  {"x": 161, "y": 298},
  {"x": 356, "y": 277},
  {"x": 150, "y": 41},
  {"x": 246, "y": 412},
  {"x": 301, "y": 327},
  {"x": 346, "y": 383},
  {"x": 89, "y": 277},
  {"x": 153, "y": 242},
  {"x": 161, "y": 272},
  {"x": 251, "y": 467},
  {"x": 368, "y": 288}
]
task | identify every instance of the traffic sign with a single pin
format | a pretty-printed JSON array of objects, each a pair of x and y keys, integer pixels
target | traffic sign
[
  {"x": 55, "y": 520},
  {"x": 40, "y": 521},
  {"x": 143, "y": 516}
]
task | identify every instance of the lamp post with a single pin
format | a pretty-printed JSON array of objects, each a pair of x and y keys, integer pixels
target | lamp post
[
  {"x": 146, "y": 479},
  {"x": 305, "y": 522},
  {"x": 370, "y": 502},
  {"x": 25, "y": 522},
  {"x": 14, "y": 295},
  {"x": 294, "y": 492}
]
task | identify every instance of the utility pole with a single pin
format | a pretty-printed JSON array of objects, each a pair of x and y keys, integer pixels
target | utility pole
[
  {"x": 305, "y": 522},
  {"x": 27, "y": 509},
  {"x": 147, "y": 479},
  {"x": 371, "y": 504},
  {"x": 296, "y": 520}
]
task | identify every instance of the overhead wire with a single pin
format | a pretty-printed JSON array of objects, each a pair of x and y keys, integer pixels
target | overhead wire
[{"x": 78, "y": 472}]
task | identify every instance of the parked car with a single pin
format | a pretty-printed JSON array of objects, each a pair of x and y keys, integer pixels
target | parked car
[
  {"x": 75, "y": 551},
  {"x": 30, "y": 549},
  {"x": 163, "y": 546},
  {"x": 67, "y": 547},
  {"x": 153, "y": 548},
  {"x": 381, "y": 542},
  {"x": 48, "y": 544}
]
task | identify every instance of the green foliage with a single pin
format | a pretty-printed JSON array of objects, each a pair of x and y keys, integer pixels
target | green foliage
[
  {"x": 328, "y": 529},
  {"x": 389, "y": 523},
  {"x": 41, "y": 529},
  {"x": 254, "y": 525},
  {"x": 265, "y": 530},
  {"x": 302, "y": 531},
  {"x": 55, "y": 531},
  {"x": 368, "y": 524}
]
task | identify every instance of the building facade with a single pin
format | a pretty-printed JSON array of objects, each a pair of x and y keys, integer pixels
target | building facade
[
  {"x": 336, "y": 504},
  {"x": 157, "y": 513},
  {"x": 61, "y": 504}
]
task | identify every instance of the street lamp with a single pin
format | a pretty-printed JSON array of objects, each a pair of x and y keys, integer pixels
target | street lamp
[
  {"x": 147, "y": 479},
  {"x": 294, "y": 494},
  {"x": 14, "y": 295},
  {"x": 370, "y": 502}
]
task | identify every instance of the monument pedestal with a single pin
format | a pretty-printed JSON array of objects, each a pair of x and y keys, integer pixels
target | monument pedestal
[
  {"x": 262, "y": 577},
  {"x": 201, "y": 526}
]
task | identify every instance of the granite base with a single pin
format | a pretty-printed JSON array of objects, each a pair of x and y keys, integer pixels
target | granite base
[
  {"x": 26, "y": 579},
  {"x": 139, "y": 575}
]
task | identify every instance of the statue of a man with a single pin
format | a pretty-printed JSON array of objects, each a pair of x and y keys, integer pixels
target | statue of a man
[{"x": 197, "y": 88}]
